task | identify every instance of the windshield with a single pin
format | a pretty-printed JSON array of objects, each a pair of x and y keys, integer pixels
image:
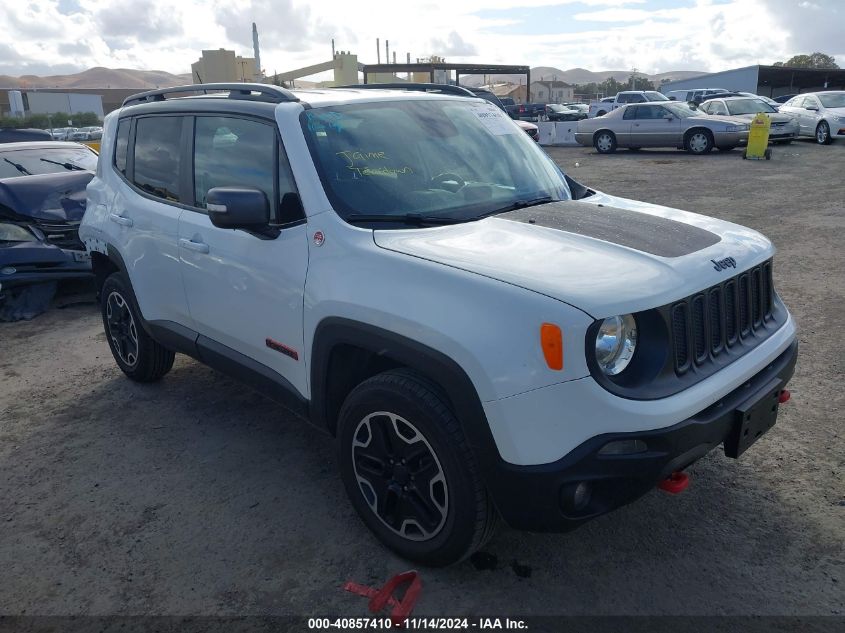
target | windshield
[
  {"x": 558, "y": 108},
  {"x": 450, "y": 159},
  {"x": 748, "y": 106},
  {"x": 29, "y": 162},
  {"x": 681, "y": 109},
  {"x": 655, "y": 96},
  {"x": 833, "y": 100}
]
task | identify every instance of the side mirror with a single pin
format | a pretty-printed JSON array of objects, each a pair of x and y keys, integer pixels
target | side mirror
[
  {"x": 812, "y": 107},
  {"x": 238, "y": 208}
]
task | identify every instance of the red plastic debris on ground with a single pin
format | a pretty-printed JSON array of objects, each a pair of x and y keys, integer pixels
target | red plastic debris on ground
[{"x": 379, "y": 598}]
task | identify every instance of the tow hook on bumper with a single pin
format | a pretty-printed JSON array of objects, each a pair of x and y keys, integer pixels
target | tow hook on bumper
[{"x": 675, "y": 483}]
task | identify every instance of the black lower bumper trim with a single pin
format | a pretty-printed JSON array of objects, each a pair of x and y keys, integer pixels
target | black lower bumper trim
[{"x": 542, "y": 498}]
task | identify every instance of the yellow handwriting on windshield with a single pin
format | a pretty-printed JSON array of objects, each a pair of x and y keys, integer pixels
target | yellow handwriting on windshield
[{"x": 361, "y": 163}]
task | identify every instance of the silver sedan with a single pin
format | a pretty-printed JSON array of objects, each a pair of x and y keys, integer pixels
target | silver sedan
[
  {"x": 661, "y": 124},
  {"x": 784, "y": 126},
  {"x": 819, "y": 114}
]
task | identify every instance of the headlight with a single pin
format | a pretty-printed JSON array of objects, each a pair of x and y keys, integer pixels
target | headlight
[
  {"x": 616, "y": 341},
  {"x": 15, "y": 233},
  {"x": 737, "y": 128}
]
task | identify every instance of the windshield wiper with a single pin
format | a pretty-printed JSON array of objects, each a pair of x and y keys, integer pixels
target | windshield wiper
[
  {"x": 19, "y": 167},
  {"x": 69, "y": 166},
  {"x": 413, "y": 219},
  {"x": 521, "y": 204}
]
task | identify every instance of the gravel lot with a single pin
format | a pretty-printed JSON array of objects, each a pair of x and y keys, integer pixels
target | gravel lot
[{"x": 197, "y": 496}]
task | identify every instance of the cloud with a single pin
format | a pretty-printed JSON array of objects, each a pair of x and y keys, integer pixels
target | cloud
[
  {"x": 145, "y": 21},
  {"x": 454, "y": 44},
  {"x": 811, "y": 26},
  {"x": 282, "y": 25}
]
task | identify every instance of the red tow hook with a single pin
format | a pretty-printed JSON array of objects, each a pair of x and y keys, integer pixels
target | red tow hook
[
  {"x": 784, "y": 396},
  {"x": 675, "y": 483}
]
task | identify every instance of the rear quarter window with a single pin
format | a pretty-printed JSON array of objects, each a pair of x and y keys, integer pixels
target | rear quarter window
[{"x": 121, "y": 144}]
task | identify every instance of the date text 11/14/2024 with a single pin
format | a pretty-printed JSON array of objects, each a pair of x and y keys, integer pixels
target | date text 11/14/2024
[{"x": 419, "y": 624}]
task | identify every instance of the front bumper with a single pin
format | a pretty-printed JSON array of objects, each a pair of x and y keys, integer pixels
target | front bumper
[{"x": 539, "y": 498}]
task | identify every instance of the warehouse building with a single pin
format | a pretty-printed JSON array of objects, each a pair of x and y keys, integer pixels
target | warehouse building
[{"x": 769, "y": 81}]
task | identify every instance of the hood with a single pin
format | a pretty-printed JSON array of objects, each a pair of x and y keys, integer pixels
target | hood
[
  {"x": 774, "y": 116},
  {"x": 606, "y": 255},
  {"x": 724, "y": 118},
  {"x": 56, "y": 197}
]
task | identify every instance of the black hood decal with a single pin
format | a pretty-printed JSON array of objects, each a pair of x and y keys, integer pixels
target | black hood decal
[{"x": 640, "y": 231}]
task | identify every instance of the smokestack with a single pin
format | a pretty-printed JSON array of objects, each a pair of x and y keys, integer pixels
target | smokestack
[
  {"x": 409, "y": 58},
  {"x": 394, "y": 57},
  {"x": 386, "y": 51},
  {"x": 332, "y": 48},
  {"x": 378, "y": 51},
  {"x": 256, "y": 53}
]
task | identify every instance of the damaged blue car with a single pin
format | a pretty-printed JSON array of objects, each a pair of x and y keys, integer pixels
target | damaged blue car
[{"x": 42, "y": 201}]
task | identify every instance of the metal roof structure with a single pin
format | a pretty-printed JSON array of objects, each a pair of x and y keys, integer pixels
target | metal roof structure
[{"x": 459, "y": 69}]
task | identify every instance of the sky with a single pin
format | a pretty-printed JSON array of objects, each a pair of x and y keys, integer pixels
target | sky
[{"x": 64, "y": 36}]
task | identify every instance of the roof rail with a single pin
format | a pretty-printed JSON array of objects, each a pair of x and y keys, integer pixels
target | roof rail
[
  {"x": 274, "y": 94},
  {"x": 416, "y": 87}
]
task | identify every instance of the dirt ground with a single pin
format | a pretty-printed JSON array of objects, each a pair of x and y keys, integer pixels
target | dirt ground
[{"x": 197, "y": 496}]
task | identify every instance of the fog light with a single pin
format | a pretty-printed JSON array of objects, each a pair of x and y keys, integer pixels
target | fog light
[
  {"x": 581, "y": 496},
  {"x": 624, "y": 447},
  {"x": 8, "y": 270}
]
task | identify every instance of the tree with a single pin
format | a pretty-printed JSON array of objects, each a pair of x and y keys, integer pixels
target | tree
[{"x": 816, "y": 60}]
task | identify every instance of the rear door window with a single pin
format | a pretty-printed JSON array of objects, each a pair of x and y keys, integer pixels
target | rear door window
[{"x": 158, "y": 163}]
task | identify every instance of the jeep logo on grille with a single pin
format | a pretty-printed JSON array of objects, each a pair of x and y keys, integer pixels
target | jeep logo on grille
[{"x": 722, "y": 264}]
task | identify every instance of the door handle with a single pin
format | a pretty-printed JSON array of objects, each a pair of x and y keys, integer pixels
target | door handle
[
  {"x": 198, "y": 247},
  {"x": 114, "y": 217}
]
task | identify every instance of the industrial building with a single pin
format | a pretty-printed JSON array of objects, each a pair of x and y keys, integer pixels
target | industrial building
[
  {"x": 221, "y": 65},
  {"x": 45, "y": 101},
  {"x": 769, "y": 81},
  {"x": 552, "y": 92}
]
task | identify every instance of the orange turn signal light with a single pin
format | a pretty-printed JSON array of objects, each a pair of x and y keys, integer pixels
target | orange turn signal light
[{"x": 551, "y": 340}]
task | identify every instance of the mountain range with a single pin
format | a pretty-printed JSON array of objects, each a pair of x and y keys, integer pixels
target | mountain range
[
  {"x": 100, "y": 77},
  {"x": 579, "y": 76}
]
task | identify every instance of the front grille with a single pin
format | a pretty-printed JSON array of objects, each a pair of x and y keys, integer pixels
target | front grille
[
  {"x": 732, "y": 313},
  {"x": 64, "y": 236}
]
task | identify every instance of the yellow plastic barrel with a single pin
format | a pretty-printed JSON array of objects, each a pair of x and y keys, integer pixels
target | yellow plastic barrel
[{"x": 758, "y": 138}]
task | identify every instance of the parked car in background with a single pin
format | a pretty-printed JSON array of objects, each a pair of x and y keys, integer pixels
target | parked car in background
[
  {"x": 784, "y": 98},
  {"x": 86, "y": 134},
  {"x": 42, "y": 201},
  {"x": 784, "y": 127},
  {"x": 768, "y": 100},
  {"x": 530, "y": 111},
  {"x": 696, "y": 95},
  {"x": 558, "y": 112},
  {"x": 608, "y": 104},
  {"x": 661, "y": 124},
  {"x": 63, "y": 133},
  {"x": 19, "y": 135},
  {"x": 581, "y": 107},
  {"x": 819, "y": 114}
]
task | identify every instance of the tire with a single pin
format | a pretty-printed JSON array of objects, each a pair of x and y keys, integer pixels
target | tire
[
  {"x": 139, "y": 357},
  {"x": 698, "y": 142},
  {"x": 604, "y": 142},
  {"x": 450, "y": 515},
  {"x": 726, "y": 148},
  {"x": 823, "y": 134}
]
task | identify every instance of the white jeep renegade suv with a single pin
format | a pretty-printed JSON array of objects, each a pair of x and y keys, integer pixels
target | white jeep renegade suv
[{"x": 484, "y": 336}]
